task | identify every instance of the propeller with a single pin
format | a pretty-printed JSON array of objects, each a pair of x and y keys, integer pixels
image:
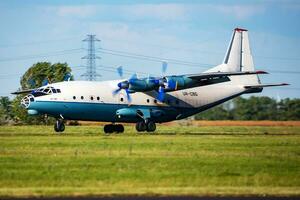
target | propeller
[
  {"x": 120, "y": 71},
  {"x": 164, "y": 67},
  {"x": 31, "y": 83},
  {"x": 45, "y": 82},
  {"x": 163, "y": 84},
  {"x": 67, "y": 76},
  {"x": 124, "y": 85}
]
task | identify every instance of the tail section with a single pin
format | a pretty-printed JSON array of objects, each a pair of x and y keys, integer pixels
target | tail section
[{"x": 238, "y": 57}]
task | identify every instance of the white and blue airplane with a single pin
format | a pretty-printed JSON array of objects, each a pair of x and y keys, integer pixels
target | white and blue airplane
[{"x": 146, "y": 101}]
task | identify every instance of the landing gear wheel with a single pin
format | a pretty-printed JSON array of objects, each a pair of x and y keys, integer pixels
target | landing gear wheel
[
  {"x": 119, "y": 128},
  {"x": 110, "y": 128},
  {"x": 151, "y": 127},
  {"x": 141, "y": 126},
  {"x": 59, "y": 126}
]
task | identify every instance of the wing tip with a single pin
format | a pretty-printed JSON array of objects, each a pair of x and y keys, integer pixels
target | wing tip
[{"x": 285, "y": 84}]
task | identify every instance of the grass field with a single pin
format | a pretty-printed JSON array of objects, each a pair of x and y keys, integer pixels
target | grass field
[{"x": 177, "y": 160}]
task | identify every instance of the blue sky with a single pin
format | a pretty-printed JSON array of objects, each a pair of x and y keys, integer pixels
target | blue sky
[{"x": 194, "y": 31}]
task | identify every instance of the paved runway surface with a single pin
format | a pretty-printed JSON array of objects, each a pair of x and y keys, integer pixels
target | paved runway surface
[{"x": 158, "y": 198}]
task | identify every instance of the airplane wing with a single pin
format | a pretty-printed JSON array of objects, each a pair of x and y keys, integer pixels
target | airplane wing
[
  {"x": 23, "y": 91},
  {"x": 212, "y": 75}
]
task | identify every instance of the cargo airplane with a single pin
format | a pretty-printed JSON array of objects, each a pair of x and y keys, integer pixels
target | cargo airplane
[{"x": 150, "y": 100}]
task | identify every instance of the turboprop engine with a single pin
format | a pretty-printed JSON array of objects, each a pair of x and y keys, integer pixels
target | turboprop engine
[{"x": 161, "y": 85}]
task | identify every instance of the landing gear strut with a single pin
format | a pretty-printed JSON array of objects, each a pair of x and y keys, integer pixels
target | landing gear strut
[
  {"x": 148, "y": 126},
  {"x": 59, "y": 125},
  {"x": 111, "y": 128}
]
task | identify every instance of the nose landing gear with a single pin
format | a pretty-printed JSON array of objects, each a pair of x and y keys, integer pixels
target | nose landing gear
[{"x": 59, "y": 125}]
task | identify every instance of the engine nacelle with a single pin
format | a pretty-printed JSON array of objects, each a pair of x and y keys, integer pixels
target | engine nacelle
[
  {"x": 177, "y": 82},
  {"x": 141, "y": 85}
]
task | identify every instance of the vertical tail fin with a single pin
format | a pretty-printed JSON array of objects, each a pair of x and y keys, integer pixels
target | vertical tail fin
[{"x": 238, "y": 56}]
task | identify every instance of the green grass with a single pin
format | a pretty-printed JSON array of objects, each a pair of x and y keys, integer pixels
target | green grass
[{"x": 174, "y": 161}]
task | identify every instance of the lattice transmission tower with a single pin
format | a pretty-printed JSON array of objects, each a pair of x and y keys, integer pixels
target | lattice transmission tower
[{"x": 91, "y": 68}]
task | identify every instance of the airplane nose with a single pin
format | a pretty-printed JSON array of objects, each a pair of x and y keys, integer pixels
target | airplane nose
[{"x": 25, "y": 102}]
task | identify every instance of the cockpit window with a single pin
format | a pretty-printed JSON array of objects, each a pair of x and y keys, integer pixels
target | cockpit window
[{"x": 45, "y": 91}]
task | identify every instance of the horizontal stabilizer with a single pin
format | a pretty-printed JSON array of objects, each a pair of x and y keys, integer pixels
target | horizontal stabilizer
[{"x": 264, "y": 85}]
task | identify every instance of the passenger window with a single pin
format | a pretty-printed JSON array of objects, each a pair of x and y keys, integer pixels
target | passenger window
[
  {"x": 98, "y": 98},
  {"x": 54, "y": 90},
  {"x": 58, "y": 90},
  {"x": 74, "y": 97},
  {"x": 82, "y": 97},
  {"x": 122, "y": 99},
  {"x": 92, "y": 98},
  {"x": 148, "y": 100},
  {"x": 155, "y": 101}
]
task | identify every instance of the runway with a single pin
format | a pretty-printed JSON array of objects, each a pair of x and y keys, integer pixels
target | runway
[{"x": 159, "y": 198}]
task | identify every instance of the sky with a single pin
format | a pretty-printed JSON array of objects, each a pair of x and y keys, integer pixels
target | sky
[{"x": 193, "y": 32}]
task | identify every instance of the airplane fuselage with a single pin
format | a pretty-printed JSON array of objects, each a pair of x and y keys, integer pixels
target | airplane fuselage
[{"x": 94, "y": 101}]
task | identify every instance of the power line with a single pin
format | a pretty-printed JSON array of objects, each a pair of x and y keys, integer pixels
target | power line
[
  {"x": 54, "y": 53},
  {"x": 150, "y": 58},
  {"x": 35, "y": 42}
]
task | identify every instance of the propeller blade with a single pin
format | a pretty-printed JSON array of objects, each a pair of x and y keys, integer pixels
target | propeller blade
[
  {"x": 120, "y": 71},
  {"x": 164, "y": 67},
  {"x": 45, "y": 82},
  {"x": 161, "y": 94},
  {"x": 116, "y": 91},
  {"x": 31, "y": 83},
  {"x": 128, "y": 96},
  {"x": 67, "y": 76}
]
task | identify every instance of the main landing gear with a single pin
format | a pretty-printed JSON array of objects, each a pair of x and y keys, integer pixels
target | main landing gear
[
  {"x": 59, "y": 125},
  {"x": 148, "y": 126},
  {"x": 114, "y": 128}
]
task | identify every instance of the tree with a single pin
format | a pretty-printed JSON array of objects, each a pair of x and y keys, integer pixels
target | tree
[
  {"x": 5, "y": 110},
  {"x": 40, "y": 72}
]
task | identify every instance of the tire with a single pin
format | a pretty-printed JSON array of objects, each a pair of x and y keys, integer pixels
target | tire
[
  {"x": 119, "y": 128},
  {"x": 141, "y": 126},
  {"x": 151, "y": 126},
  {"x": 62, "y": 127},
  {"x": 108, "y": 128},
  {"x": 56, "y": 127},
  {"x": 59, "y": 126}
]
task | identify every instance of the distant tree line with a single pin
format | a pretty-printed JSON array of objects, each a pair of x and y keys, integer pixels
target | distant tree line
[{"x": 254, "y": 108}]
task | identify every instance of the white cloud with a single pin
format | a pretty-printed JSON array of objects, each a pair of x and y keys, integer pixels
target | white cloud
[
  {"x": 138, "y": 11},
  {"x": 241, "y": 12},
  {"x": 163, "y": 12},
  {"x": 159, "y": 11},
  {"x": 80, "y": 11}
]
